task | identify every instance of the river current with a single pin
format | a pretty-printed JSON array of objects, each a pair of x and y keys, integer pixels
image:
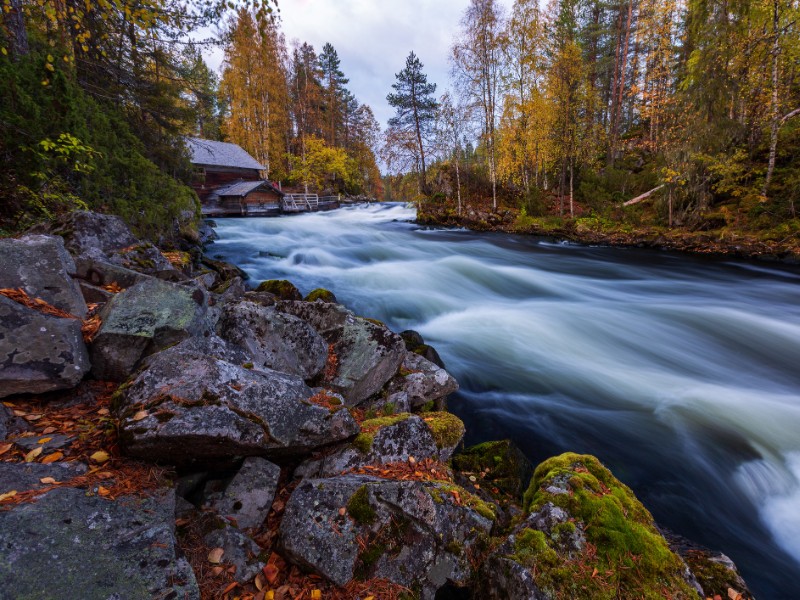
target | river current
[{"x": 681, "y": 374}]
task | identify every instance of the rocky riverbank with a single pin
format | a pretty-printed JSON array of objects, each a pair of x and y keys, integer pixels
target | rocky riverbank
[
  {"x": 169, "y": 433},
  {"x": 721, "y": 242}
]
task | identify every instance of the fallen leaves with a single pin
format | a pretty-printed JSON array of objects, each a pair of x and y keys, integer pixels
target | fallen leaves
[
  {"x": 142, "y": 414},
  {"x": 51, "y": 458},
  {"x": 33, "y": 454},
  {"x": 215, "y": 556},
  {"x": 21, "y": 297},
  {"x": 413, "y": 470},
  {"x": 90, "y": 328},
  {"x": 8, "y": 495},
  {"x": 5, "y": 448},
  {"x": 100, "y": 457},
  {"x": 49, "y": 481}
]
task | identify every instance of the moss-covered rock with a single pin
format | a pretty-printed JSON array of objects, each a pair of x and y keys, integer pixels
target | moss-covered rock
[
  {"x": 499, "y": 463},
  {"x": 586, "y": 537},
  {"x": 322, "y": 295},
  {"x": 282, "y": 288},
  {"x": 447, "y": 429}
]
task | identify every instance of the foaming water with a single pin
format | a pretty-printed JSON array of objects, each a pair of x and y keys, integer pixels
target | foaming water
[{"x": 681, "y": 374}]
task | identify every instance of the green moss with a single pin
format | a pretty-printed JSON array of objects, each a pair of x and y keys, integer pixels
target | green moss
[
  {"x": 446, "y": 428},
  {"x": 363, "y": 441},
  {"x": 367, "y": 559},
  {"x": 428, "y": 406},
  {"x": 714, "y": 578},
  {"x": 359, "y": 507},
  {"x": 630, "y": 553},
  {"x": 388, "y": 409},
  {"x": 282, "y": 288},
  {"x": 375, "y": 322},
  {"x": 440, "y": 491},
  {"x": 530, "y": 548},
  {"x": 321, "y": 294},
  {"x": 248, "y": 365}
]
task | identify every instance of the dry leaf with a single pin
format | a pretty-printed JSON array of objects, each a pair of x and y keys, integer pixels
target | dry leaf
[
  {"x": 142, "y": 414},
  {"x": 103, "y": 411},
  {"x": 44, "y": 440},
  {"x": 316, "y": 595},
  {"x": 31, "y": 456},
  {"x": 32, "y": 417},
  {"x": 259, "y": 581},
  {"x": 215, "y": 556},
  {"x": 103, "y": 491},
  {"x": 49, "y": 430},
  {"x": 231, "y": 587},
  {"x": 7, "y": 495},
  {"x": 5, "y": 448},
  {"x": 271, "y": 573},
  {"x": 370, "y": 598},
  {"x": 100, "y": 456},
  {"x": 49, "y": 480},
  {"x": 734, "y": 595},
  {"x": 342, "y": 511},
  {"x": 216, "y": 571},
  {"x": 181, "y": 522},
  {"x": 50, "y": 458},
  {"x": 20, "y": 413}
]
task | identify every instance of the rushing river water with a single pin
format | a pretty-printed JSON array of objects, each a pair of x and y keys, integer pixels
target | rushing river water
[{"x": 682, "y": 375}]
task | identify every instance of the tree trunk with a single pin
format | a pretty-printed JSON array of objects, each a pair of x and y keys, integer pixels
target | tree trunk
[
  {"x": 15, "y": 25},
  {"x": 458, "y": 184},
  {"x": 773, "y": 136},
  {"x": 571, "y": 207}
]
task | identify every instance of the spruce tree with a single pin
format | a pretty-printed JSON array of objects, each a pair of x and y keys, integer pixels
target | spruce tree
[{"x": 416, "y": 108}]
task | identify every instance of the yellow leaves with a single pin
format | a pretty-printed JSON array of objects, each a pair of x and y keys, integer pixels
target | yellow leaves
[
  {"x": 8, "y": 495},
  {"x": 51, "y": 458},
  {"x": 215, "y": 556},
  {"x": 44, "y": 440},
  {"x": 100, "y": 457},
  {"x": 33, "y": 454}
]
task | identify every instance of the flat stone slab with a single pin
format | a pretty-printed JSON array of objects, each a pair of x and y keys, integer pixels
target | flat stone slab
[
  {"x": 40, "y": 265},
  {"x": 39, "y": 353},
  {"x": 68, "y": 545}
]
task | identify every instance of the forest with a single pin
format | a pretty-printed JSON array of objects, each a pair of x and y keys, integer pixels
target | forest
[
  {"x": 688, "y": 111},
  {"x": 98, "y": 97},
  {"x": 614, "y": 114}
]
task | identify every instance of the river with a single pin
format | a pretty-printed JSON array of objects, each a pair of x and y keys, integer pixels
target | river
[{"x": 681, "y": 374}]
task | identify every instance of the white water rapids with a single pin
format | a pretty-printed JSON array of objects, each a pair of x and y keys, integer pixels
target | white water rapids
[{"x": 681, "y": 374}]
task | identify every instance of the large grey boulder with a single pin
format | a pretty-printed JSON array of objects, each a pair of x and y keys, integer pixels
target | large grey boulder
[
  {"x": 422, "y": 381},
  {"x": 143, "y": 319},
  {"x": 39, "y": 353},
  {"x": 248, "y": 497},
  {"x": 396, "y": 439},
  {"x": 68, "y": 545},
  {"x": 28, "y": 476},
  {"x": 275, "y": 340},
  {"x": 367, "y": 354},
  {"x": 190, "y": 406},
  {"x": 41, "y": 266},
  {"x": 416, "y": 534}
]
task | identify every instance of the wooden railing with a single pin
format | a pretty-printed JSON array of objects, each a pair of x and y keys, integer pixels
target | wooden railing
[{"x": 300, "y": 202}]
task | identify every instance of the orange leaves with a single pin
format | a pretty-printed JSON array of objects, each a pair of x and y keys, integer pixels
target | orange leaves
[
  {"x": 331, "y": 364},
  {"x": 21, "y": 296},
  {"x": 113, "y": 288},
  {"x": 90, "y": 328},
  {"x": 413, "y": 470},
  {"x": 326, "y": 399},
  {"x": 5, "y": 448},
  {"x": 51, "y": 458}
]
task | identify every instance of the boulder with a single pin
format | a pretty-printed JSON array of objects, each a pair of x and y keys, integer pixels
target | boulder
[
  {"x": 248, "y": 497},
  {"x": 90, "y": 233},
  {"x": 423, "y": 382},
  {"x": 275, "y": 340},
  {"x": 41, "y": 266},
  {"x": 28, "y": 476},
  {"x": 9, "y": 423},
  {"x": 282, "y": 288},
  {"x": 70, "y": 545},
  {"x": 366, "y": 354},
  {"x": 187, "y": 405},
  {"x": 238, "y": 550},
  {"x": 143, "y": 319},
  {"x": 320, "y": 294},
  {"x": 412, "y": 533},
  {"x": 416, "y": 344},
  {"x": 99, "y": 273},
  {"x": 382, "y": 440},
  {"x": 38, "y": 352},
  {"x": 585, "y": 536}
]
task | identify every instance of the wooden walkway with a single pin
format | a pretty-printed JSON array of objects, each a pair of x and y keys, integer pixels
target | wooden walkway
[{"x": 290, "y": 203}]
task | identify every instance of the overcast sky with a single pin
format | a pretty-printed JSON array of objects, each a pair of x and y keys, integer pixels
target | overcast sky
[{"x": 373, "y": 39}]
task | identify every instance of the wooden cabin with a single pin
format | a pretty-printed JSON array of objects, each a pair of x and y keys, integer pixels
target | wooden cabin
[{"x": 228, "y": 180}]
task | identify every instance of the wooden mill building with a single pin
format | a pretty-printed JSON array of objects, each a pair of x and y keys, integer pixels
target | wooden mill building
[{"x": 229, "y": 182}]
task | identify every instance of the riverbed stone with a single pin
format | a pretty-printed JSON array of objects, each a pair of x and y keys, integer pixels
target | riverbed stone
[
  {"x": 422, "y": 381},
  {"x": 275, "y": 340},
  {"x": 412, "y": 533},
  {"x": 383, "y": 440},
  {"x": 143, "y": 319},
  {"x": 238, "y": 550},
  {"x": 584, "y": 530},
  {"x": 69, "y": 544},
  {"x": 248, "y": 497},
  {"x": 197, "y": 407},
  {"x": 38, "y": 352},
  {"x": 367, "y": 354},
  {"x": 42, "y": 267}
]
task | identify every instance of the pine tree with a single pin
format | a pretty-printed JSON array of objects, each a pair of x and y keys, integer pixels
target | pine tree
[
  {"x": 333, "y": 82},
  {"x": 416, "y": 107}
]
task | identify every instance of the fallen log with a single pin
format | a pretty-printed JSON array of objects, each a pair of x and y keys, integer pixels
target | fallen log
[{"x": 644, "y": 196}]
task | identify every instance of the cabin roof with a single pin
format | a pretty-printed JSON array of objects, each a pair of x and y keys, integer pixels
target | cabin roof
[
  {"x": 242, "y": 188},
  {"x": 221, "y": 154}
]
